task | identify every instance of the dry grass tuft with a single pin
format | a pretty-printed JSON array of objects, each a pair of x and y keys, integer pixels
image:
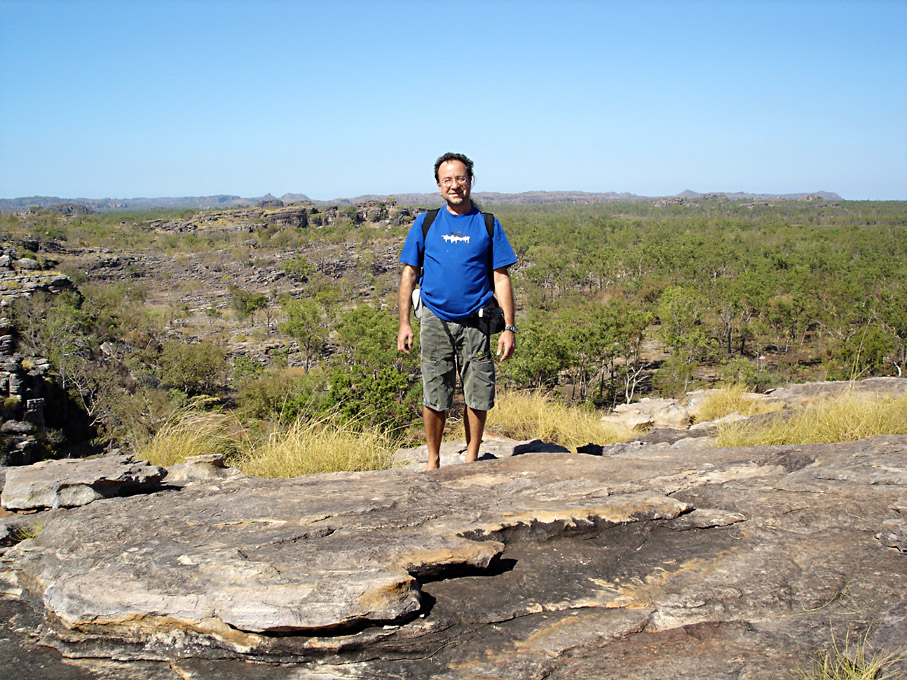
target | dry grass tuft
[
  {"x": 733, "y": 399},
  {"x": 854, "y": 662},
  {"x": 849, "y": 417},
  {"x": 192, "y": 433},
  {"x": 306, "y": 446},
  {"x": 321, "y": 445},
  {"x": 28, "y": 531},
  {"x": 535, "y": 415}
]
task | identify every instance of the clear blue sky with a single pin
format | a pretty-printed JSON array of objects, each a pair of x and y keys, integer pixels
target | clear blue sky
[{"x": 133, "y": 98}]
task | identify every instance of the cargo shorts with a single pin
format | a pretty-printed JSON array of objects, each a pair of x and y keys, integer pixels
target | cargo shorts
[{"x": 449, "y": 349}]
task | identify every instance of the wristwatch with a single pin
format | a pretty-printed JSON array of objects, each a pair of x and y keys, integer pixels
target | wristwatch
[{"x": 512, "y": 329}]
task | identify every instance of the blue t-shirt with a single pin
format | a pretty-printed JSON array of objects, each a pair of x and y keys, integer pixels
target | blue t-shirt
[{"x": 455, "y": 278}]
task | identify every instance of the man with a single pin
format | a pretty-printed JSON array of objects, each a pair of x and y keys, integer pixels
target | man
[{"x": 460, "y": 264}]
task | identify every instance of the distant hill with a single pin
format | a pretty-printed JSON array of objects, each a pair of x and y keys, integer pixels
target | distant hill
[
  {"x": 8, "y": 205},
  {"x": 102, "y": 204},
  {"x": 742, "y": 196}
]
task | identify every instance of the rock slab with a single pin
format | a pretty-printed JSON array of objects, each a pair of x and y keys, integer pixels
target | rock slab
[
  {"x": 648, "y": 563},
  {"x": 70, "y": 483}
]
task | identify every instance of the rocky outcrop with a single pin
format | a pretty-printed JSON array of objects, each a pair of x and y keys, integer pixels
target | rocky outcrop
[
  {"x": 292, "y": 216},
  {"x": 23, "y": 276},
  {"x": 648, "y": 414},
  {"x": 22, "y": 400},
  {"x": 71, "y": 483},
  {"x": 693, "y": 563}
]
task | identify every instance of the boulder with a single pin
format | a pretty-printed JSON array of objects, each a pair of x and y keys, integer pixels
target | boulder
[
  {"x": 648, "y": 413},
  {"x": 70, "y": 483},
  {"x": 200, "y": 468}
]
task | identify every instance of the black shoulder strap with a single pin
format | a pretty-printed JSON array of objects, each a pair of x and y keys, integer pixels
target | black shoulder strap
[
  {"x": 427, "y": 222},
  {"x": 489, "y": 225}
]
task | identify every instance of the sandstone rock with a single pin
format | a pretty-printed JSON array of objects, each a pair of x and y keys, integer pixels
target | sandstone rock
[
  {"x": 894, "y": 534},
  {"x": 70, "y": 483},
  {"x": 230, "y": 565},
  {"x": 708, "y": 425},
  {"x": 798, "y": 395},
  {"x": 7, "y": 345},
  {"x": 16, "y": 427},
  {"x": 490, "y": 449},
  {"x": 28, "y": 263},
  {"x": 550, "y": 566},
  {"x": 293, "y": 216},
  {"x": 200, "y": 468},
  {"x": 648, "y": 413}
]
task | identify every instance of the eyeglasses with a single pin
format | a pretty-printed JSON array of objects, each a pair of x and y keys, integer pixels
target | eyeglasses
[{"x": 447, "y": 181}]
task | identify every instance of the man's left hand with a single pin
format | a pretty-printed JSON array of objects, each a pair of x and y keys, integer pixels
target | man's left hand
[{"x": 506, "y": 345}]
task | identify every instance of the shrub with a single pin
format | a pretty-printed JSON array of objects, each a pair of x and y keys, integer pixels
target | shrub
[
  {"x": 245, "y": 303},
  {"x": 194, "y": 369},
  {"x": 299, "y": 268},
  {"x": 276, "y": 395},
  {"x": 245, "y": 368},
  {"x": 741, "y": 371}
]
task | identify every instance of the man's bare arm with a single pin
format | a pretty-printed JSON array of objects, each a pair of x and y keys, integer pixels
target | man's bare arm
[
  {"x": 404, "y": 304},
  {"x": 503, "y": 291}
]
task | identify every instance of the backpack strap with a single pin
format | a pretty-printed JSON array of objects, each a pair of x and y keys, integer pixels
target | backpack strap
[{"x": 427, "y": 222}]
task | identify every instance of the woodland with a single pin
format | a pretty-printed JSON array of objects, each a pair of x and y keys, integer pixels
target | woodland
[{"x": 225, "y": 310}]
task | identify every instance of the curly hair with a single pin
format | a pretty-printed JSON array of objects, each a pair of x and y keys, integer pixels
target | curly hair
[{"x": 449, "y": 156}]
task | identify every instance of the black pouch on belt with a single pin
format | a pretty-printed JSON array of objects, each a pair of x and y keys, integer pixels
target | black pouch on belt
[{"x": 491, "y": 318}]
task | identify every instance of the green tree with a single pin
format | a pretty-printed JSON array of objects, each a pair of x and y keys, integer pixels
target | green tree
[
  {"x": 192, "y": 368},
  {"x": 368, "y": 379},
  {"x": 681, "y": 311},
  {"x": 543, "y": 353},
  {"x": 299, "y": 268},
  {"x": 306, "y": 323},
  {"x": 245, "y": 303}
]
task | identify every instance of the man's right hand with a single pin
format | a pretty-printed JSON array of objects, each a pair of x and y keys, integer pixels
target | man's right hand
[
  {"x": 408, "y": 279},
  {"x": 405, "y": 338}
]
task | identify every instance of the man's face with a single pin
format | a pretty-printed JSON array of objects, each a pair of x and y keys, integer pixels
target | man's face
[{"x": 454, "y": 183}]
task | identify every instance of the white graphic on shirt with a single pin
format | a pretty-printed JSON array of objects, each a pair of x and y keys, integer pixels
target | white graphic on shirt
[{"x": 455, "y": 238}]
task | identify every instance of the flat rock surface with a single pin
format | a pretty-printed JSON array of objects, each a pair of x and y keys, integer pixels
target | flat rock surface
[
  {"x": 492, "y": 448},
  {"x": 647, "y": 563}
]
